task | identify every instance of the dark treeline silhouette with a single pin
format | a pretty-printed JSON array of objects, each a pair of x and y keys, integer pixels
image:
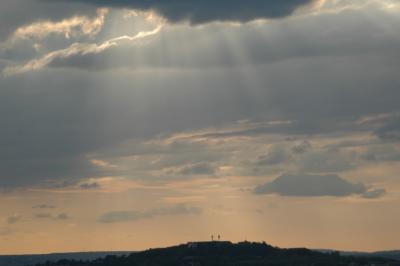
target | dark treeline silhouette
[{"x": 227, "y": 253}]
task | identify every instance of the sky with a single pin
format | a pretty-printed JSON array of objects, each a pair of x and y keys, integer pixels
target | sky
[{"x": 133, "y": 124}]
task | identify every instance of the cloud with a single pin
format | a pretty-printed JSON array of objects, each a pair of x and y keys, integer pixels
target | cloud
[
  {"x": 323, "y": 161},
  {"x": 13, "y": 13},
  {"x": 42, "y": 215},
  {"x": 13, "y": 219},
  {"x": 259, "y": 43},
  {"x": 306, "y": 185},
  {"x": 373, "y": 194},
  {"x": 77, "y": 25},
  {"x": 122, "y": 216},
  {"x": 197, "y": 169},
  {"x": 5, "y": 231},
  {"x": 388, "y": 152},
  {"x": 390, "y": 131},
  {"x": 80, "y": 115},
  {"x": 276, "y": 155},
  {"x": 76, "y": 50},
  {"x": 302, "y": 147},
  {"x": 43, "y": 206},
  {"x": 176, "y": 210},
  {"x": 197, "y": 12},
  {"x": 93, "y": 185},
  {"x": 62, "y": 216},
  {"x": 44, "y": 171},
  {"x": 126, "y": 216}
]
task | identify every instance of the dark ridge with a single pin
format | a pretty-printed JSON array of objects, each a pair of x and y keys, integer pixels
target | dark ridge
[
  {"x": 34, "y": 259},
  {"x": 227, "y": 253}
]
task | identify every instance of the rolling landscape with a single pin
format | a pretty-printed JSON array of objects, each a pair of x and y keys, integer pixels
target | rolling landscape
[{"x": 210, "y": 253}]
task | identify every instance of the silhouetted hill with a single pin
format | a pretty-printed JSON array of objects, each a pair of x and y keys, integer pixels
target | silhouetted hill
[
  {"x": 29, "y": 260},
  {"x": 394, "y": 254},
  {"x": 389, "y": 254},
  {"x": 227, "y": 253}
]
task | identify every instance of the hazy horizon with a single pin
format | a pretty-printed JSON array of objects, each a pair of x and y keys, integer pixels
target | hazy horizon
[{"x": 132, "y": 124}]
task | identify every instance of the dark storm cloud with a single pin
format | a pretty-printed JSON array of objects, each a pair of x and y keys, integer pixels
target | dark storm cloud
[
  {"x": 274, "y": 42},
  {"x": 323, "y": 73},
  {"x": 197, "y": 11},
  {"x": 59, "y": 117},
  {"x": 44, "y": 139},
  {"x": 126, "y": 216},
  {"x": 31, "y": 171},
  {"x": 306, "y": 185}
]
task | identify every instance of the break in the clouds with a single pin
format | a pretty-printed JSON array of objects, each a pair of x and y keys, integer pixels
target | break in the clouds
[
  {"x": 306, "y": 185},
  {"x": 198, "y": 12},
  {"x": 127, "y": 216}
]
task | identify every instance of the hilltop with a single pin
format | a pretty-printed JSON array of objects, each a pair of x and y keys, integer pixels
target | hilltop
[{"x": 227, "y": 253}]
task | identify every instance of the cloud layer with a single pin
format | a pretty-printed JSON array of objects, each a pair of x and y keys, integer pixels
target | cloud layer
[
  {"x": 298, "y": 79},
  {"x": 126, "y": 216},
  {"x": 206, "y": 11},
  {"x": 303, "y": 185}
]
